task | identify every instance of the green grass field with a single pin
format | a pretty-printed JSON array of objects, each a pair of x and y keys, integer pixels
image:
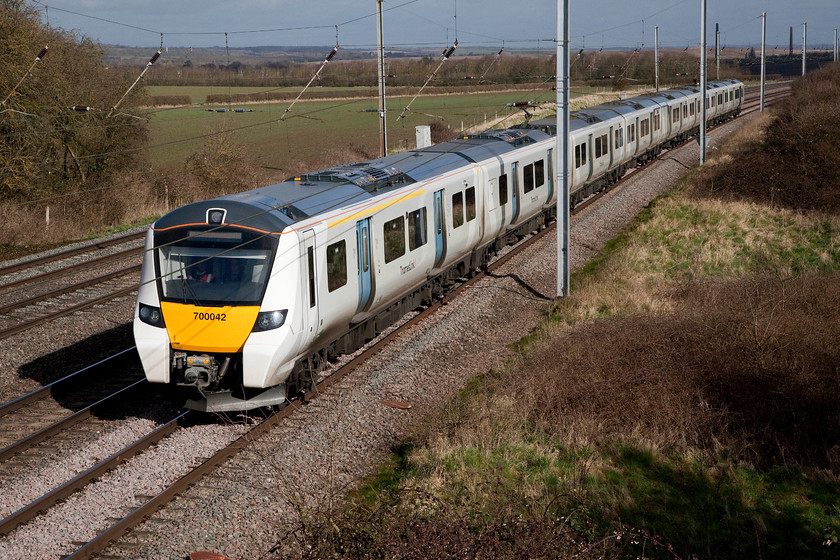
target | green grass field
[
  {"x": 198, "y": 94},
  {"x": 313, "y": 128}
]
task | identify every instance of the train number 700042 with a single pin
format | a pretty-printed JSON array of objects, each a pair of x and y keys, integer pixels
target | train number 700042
[{"x": 209, "y": 316}]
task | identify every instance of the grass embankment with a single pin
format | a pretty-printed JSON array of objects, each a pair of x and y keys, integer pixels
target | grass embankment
[{"x": 683, "y": 402}]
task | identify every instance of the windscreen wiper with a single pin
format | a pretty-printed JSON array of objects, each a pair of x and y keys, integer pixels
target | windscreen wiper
[{"x": 186, "y": 287}]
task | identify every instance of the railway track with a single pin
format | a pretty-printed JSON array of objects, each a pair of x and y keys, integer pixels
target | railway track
[
  {"x": 94, "y": 247},
  {"x": 118, "y": 528},
  {"x": 773, "y": 93},
  {"x": 58, "y": 418},
  {"x": 45, "y": 289}
]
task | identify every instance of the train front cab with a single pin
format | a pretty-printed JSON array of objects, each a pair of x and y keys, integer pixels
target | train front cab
[{"x": 200, "y": 306}]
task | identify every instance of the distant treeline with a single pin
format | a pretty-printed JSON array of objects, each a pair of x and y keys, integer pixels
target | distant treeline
[
  {"x": 353, "y": 93},
  {"x": 785, "y": 65},
  {"x": 595, "y": 68}
]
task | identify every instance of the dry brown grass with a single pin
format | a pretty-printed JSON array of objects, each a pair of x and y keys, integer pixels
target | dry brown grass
[
  {"x": 792, "y": 160},
  {"x": 741, "y": 368}
]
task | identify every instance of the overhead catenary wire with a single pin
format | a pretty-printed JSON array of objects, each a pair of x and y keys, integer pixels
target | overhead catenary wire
[
  {"x": 328, "y": 58},
  {"x": 38, "y": 58},
  {"x": 492, "y": 63},
  {"x": 140, "y": 77},
  {"x": 446, "y": 54}
]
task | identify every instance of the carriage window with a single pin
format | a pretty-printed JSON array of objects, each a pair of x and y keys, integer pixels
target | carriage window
[
  {"x": 457, "y": 209},
  {"x": 470, "y": 204},
  {"x": 394, "y": 238},
  {"x": 619, "y": 138},
  {"x": 631, "y": 133},
  {"x": 656, "y": 124},
  {"x": 602, "y": 146},
  {"x": 529, "y": 178},
  {"x": 675, "y": 115},
  {"x": 580, "y": 155},
  {"x": 644, "y": 128},
  {"x": 416, "y": 229},
  {"x": 539, "y": 173},
  {"x": 503, "y": 192},
  {"x": 336, "y": 265}
]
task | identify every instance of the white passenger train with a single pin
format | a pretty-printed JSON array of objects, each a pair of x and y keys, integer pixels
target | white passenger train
[{"x": 244, "y": 297}]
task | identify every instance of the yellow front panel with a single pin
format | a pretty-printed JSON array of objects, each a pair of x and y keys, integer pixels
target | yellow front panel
[{"x": 208, "y": 329}]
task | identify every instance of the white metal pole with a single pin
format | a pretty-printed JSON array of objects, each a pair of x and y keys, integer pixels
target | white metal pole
[
  {"x": 383, "y": 127},
  {"x": 656, "y": 53},
  {"x": 763, "y": 50},
  {"x": 835, "y": 44},
  {"x": 717, "y": 50},
  {"x": 562, "y": 147},
  {"x": 703, "y": 81},
  {"x": 804, "y": 44}
]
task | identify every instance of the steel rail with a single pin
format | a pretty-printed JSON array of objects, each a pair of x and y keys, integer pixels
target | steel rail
[
  {"x": 40, "y": 393},
  {"x": 71, "y": 252},
  {"x": 29, "y": 512},
  {"x": 69, "y": 311},
  {"x": 73, "y": 268},
  {"x": 67, "y": 289},
  {"x": 66, "y": 422}
]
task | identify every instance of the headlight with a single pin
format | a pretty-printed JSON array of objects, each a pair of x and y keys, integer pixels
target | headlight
[
  {"x": 151, "y": 315},
  {"x": 268, "y": 320}
]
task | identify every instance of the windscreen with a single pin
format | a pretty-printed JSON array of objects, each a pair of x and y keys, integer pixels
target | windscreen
[{"x": 213, "y": 267}]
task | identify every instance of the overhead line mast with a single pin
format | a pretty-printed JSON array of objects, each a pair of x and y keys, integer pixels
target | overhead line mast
[
  {"x": 562, "y": 147},
  {"x": 383, "y": 127}
]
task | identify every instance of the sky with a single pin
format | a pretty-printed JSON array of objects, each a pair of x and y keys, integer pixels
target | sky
[{"x": 595, "y": 24}]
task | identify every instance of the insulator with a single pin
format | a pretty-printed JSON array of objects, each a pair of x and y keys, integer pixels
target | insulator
[
  {"x": 332, "y": 53},
  {"x": 500, "y": 51},
  {"x": 81, "y": 108},
  {"x": 449, "y": 52},
  {"x": 43, "y": 53},
  {"x": 580, "y": 52},
  {"x": 154, "y": 58}
]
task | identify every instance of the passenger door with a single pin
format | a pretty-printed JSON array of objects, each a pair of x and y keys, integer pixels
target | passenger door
[
  {"x": 366, "y": 285},
  {"x": 440, "y": 229},
  {"x": 549, "y": 170},
  {"x": 514, "y": 191},
  {"x": 310, "y": 280}
]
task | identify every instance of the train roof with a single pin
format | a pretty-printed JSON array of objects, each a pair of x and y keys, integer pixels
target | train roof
[
  {"x": 273, "y": 207},
  {"x": 610, "y": 109}
]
